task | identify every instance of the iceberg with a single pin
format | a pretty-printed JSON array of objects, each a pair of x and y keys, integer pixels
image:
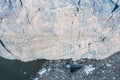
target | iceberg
[{"x": 59, "y": 29}]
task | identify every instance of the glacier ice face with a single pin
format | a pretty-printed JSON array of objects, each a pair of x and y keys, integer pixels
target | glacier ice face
[{"x": 57, "y": 29}]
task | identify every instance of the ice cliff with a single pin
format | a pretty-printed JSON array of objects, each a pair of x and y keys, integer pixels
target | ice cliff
[{"x": 59, "y": 29}]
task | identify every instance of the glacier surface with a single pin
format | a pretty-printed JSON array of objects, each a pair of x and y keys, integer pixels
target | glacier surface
[{"x": 59, "y": 29}]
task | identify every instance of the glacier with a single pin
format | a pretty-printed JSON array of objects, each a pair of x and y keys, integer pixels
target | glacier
[{"x": 59, "y": 29}]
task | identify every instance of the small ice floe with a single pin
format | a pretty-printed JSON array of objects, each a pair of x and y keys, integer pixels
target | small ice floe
[
  {"x": 103, "y": 71},
  {"x": 36, "y": 78},
  {"x": 89, "y": 69},
  {"x": 49, "y": 69},
  {"x": 108, "y": 64},
  {"x": 113, "y": 78},
  {"x": 42, "y": 71},
  {"x": 24, "y": 72},
  {"x": 67, "y": 66},
  {"x": 104, "y": 77}
]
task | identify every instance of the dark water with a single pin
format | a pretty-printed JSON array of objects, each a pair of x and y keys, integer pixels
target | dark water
[{"x": 17, "y": 70}]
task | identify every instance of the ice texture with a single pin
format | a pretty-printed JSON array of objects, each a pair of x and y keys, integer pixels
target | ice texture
[{"x": 59, "y": 29}]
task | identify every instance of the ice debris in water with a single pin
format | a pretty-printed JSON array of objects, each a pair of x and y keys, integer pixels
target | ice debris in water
[
  {"x": 36, "y": 79},
  {"x": 89, "y": 69},
  {"x": 42, "y": 71},
  {"x": 67, "y": 66},
  {"x": 108, "y": 64}
]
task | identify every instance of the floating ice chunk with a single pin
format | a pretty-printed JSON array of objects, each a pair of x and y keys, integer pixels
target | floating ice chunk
[
  {"x": 113, "y": 78},
  {"x": 89, "y": 69},
  {"x": 25, "y": 72},
  {"x": 36, "y": 78},
  {"x": 67, "y": 66},
  {"x": 49, "y": 69},
  {"x": 108, "y": 65},
  {"x": 42, "y": 71}
]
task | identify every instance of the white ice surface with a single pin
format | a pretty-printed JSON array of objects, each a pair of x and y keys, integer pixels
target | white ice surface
[{"x": 57, "y": 29}]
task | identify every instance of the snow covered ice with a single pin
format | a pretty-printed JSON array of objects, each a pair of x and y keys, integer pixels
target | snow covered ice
[{"x": 59, "y": 29}]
